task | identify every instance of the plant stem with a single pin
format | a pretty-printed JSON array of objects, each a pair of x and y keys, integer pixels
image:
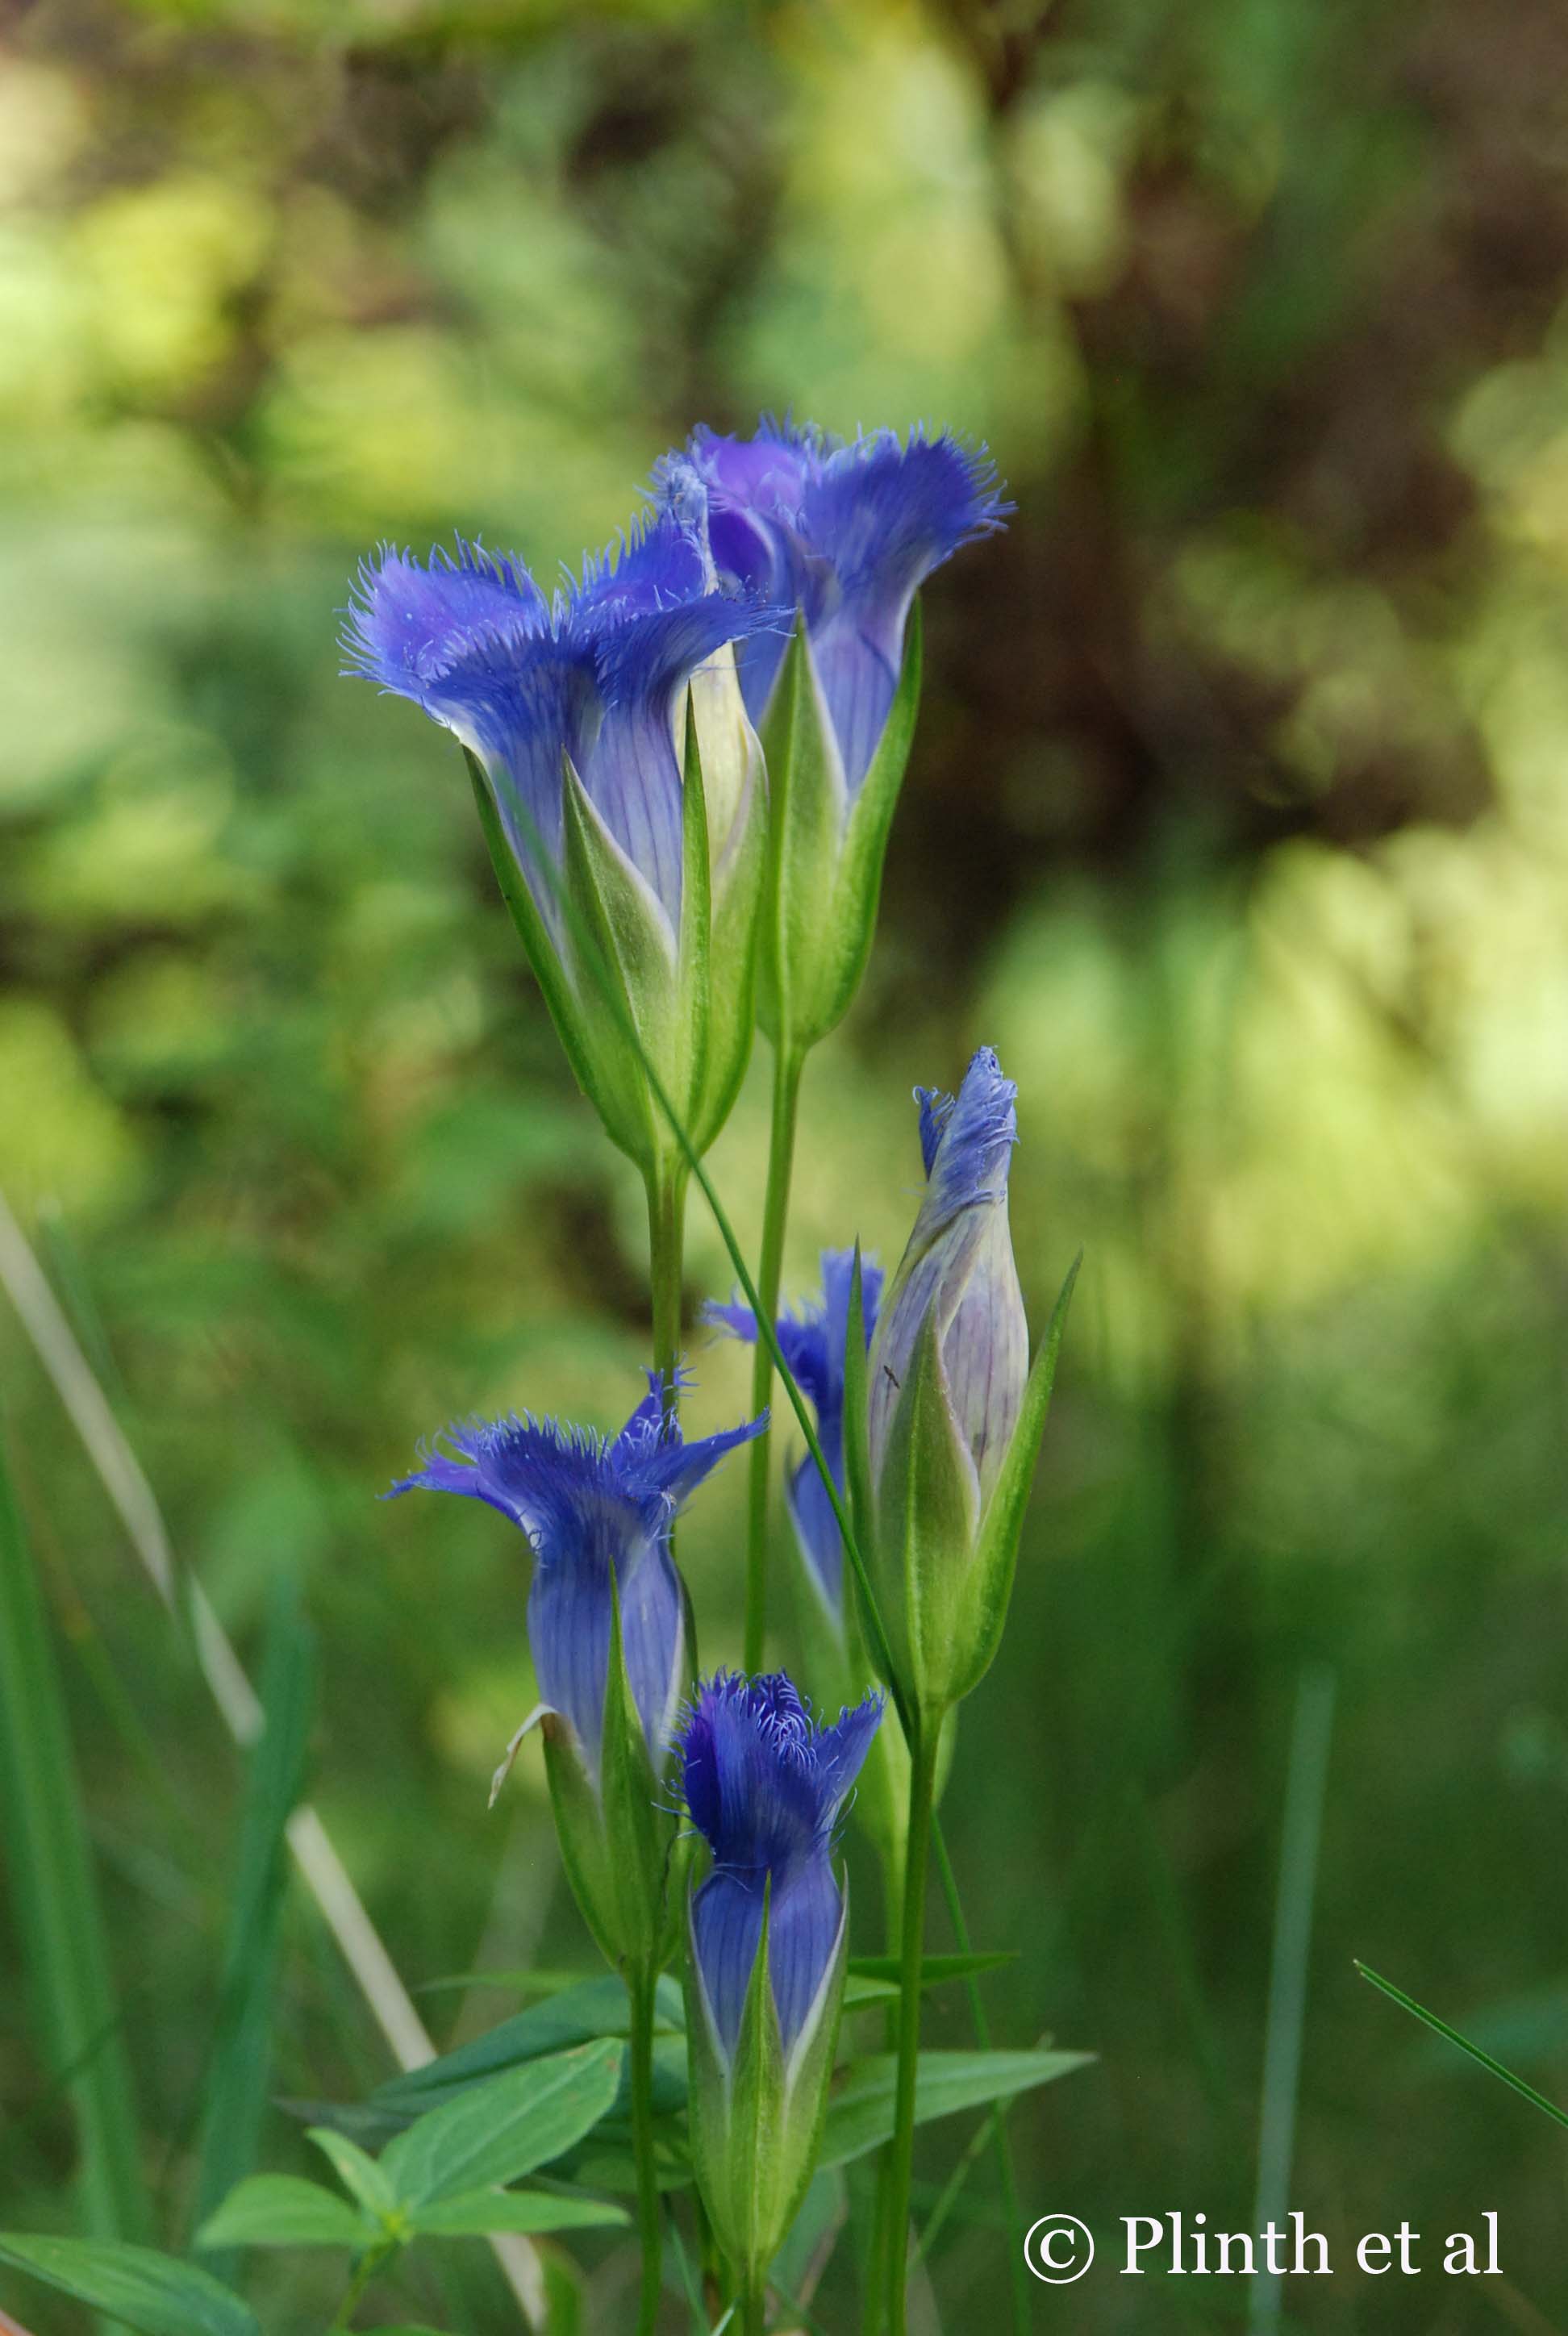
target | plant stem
[
  {"x": 922, "y": 1795},
  {"x": 642, "y": 1982},
  {"x": 786, "y": 1083},
  {"x": 365, "y": 2271},
  {"x": 754, "y": 2306},
  {"x": 666, "y": 1191}
]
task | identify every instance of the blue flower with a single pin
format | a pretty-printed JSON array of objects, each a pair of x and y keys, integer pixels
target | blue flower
[
  {"x": 959, "y": 1265},
  {"x": 813, "y": 1340},
  {"x": 596, "y": 673},
  {"x": 593, "y": 1506},
  {"x": 847, "y": 533},
  {"x": 764, "y": 1784}
]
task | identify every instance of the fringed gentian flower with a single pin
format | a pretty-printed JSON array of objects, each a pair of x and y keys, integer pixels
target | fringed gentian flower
[
  {"x": 764, "y": 1784},
  {"x": 595, "y": 1509},
  {"x": 813, "y": 1340},
  {"x": 842, "y": 536},
  {"x": 571, "y": 708},
  {"x": 955, "y": 1415},
  {"x": 846, "y": 534}
]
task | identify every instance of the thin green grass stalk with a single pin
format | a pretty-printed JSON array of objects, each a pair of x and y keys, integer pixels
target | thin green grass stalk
[
  {"x": 1452, "y": 2036},
  {"x": 1305, "y": 1787},
  {"x": 1001, "y": 2144},
  {"x": 235, "y": 2094},
  {"x": 786, "y": 1085},
  {"x": 327, "y": 1878},
  {"x": 55, "y": 1894}
]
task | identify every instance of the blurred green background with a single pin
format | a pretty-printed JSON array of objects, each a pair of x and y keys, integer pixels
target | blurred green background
[{"x": 1237, "y": 821}]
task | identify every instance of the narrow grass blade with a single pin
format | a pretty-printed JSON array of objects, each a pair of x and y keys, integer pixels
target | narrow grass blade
[
  {"x": 54, "y": 1896},
  {"x": 1452, "y": 2036},
  {"x": 1305, "y": 1788},
  {"x": 233, "y": 2096},
  {"x": 325, "y": 1876}
]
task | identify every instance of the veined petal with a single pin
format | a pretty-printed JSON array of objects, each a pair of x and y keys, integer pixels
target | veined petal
[
  {"x": 811, "y": 1340},
  {"x": 594, "y": 1510},
  {"x": 847, "y": 534},
  {"x": 764, "y": 1784}
]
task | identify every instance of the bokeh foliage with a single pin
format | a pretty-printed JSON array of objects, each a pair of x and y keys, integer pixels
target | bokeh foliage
[{"x": 1237, "y": 821}]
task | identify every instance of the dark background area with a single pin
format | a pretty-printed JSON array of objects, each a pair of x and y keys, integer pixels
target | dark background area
[{"x": 1236, "y": 821}]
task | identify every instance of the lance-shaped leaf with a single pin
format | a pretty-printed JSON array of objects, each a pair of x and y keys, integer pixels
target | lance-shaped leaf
[
  {"x": 280, "y": 2210},
  {"x": 155, "y": 2293},
  {"x": 496, "y": 2131},
  {"x": 861, "y": 2113},
  {"x": 476, "y": 2212}
]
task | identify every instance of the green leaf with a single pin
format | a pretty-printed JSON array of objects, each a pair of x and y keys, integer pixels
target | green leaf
[
  {"x": 861, "y": 2114},
  {"x": 360, "y": 2174},
  {"x": 476, "y": 2212},
  {"x": 158, "y": 2294},
  {"x": 990, "y": 1576},
  {"x": 235, "y": 2094},
  {"x": 54, "y": 1899},
  {"x": 588, "y": 2008},
  {"x": 496, "y": 2131},
  {"x": 935, "y": 1970},
  {"x": 280, "y": 2210},
  {"x": 1451, "y": 2035}
]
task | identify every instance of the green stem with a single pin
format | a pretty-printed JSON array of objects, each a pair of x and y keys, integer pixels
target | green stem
[
  {"x": 922, "y": 1797},
  {"x": 666, "y": 1192},
  {"x": 365, "y": 2271},
  {"x": 754, "y": 2306},
  {"x": 641, "y": 1984},
  {"x": 786, "y": 1082}
]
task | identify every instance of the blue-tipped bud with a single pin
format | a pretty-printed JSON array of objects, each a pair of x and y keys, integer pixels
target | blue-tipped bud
[
  {"x": 842, "y": 536},
  {"x": 813, "y": 1340},
  {"x": 607, "y": 1626},
  {"x": 955, "y": 1417},
  {"x": 764, "y": 1785},
  {"x": 628, "y": 843}
]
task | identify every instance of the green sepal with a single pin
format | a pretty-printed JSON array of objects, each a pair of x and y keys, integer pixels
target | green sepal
[
  {"x": 757, "y": 2121},
  {"x": 732, "y": 891},
  {"x": 826, "y": 853},
  {"x": 989, "y": 1580},
  {"x": 617, "y": 928},
  {"x": 695, "y": 969},
  {"x": 532, "y": 930},
  {"x": 615, "y": 1840},
  {"x": 856, "y": 1417},
  {"x": 928, "y": 1519}
]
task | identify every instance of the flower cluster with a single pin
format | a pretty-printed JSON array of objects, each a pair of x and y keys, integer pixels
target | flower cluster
[{"x": 687, "y": 759}]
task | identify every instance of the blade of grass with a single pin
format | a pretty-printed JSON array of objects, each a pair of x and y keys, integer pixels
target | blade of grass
[
  {"x": 237, "y": 2078},
  {"x": 54, "y": 1893},
  {"x": 324, "y": 1872},
  {"x": 1452, "y": 2036},
  {"x": 1305, "y": 1784}
]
